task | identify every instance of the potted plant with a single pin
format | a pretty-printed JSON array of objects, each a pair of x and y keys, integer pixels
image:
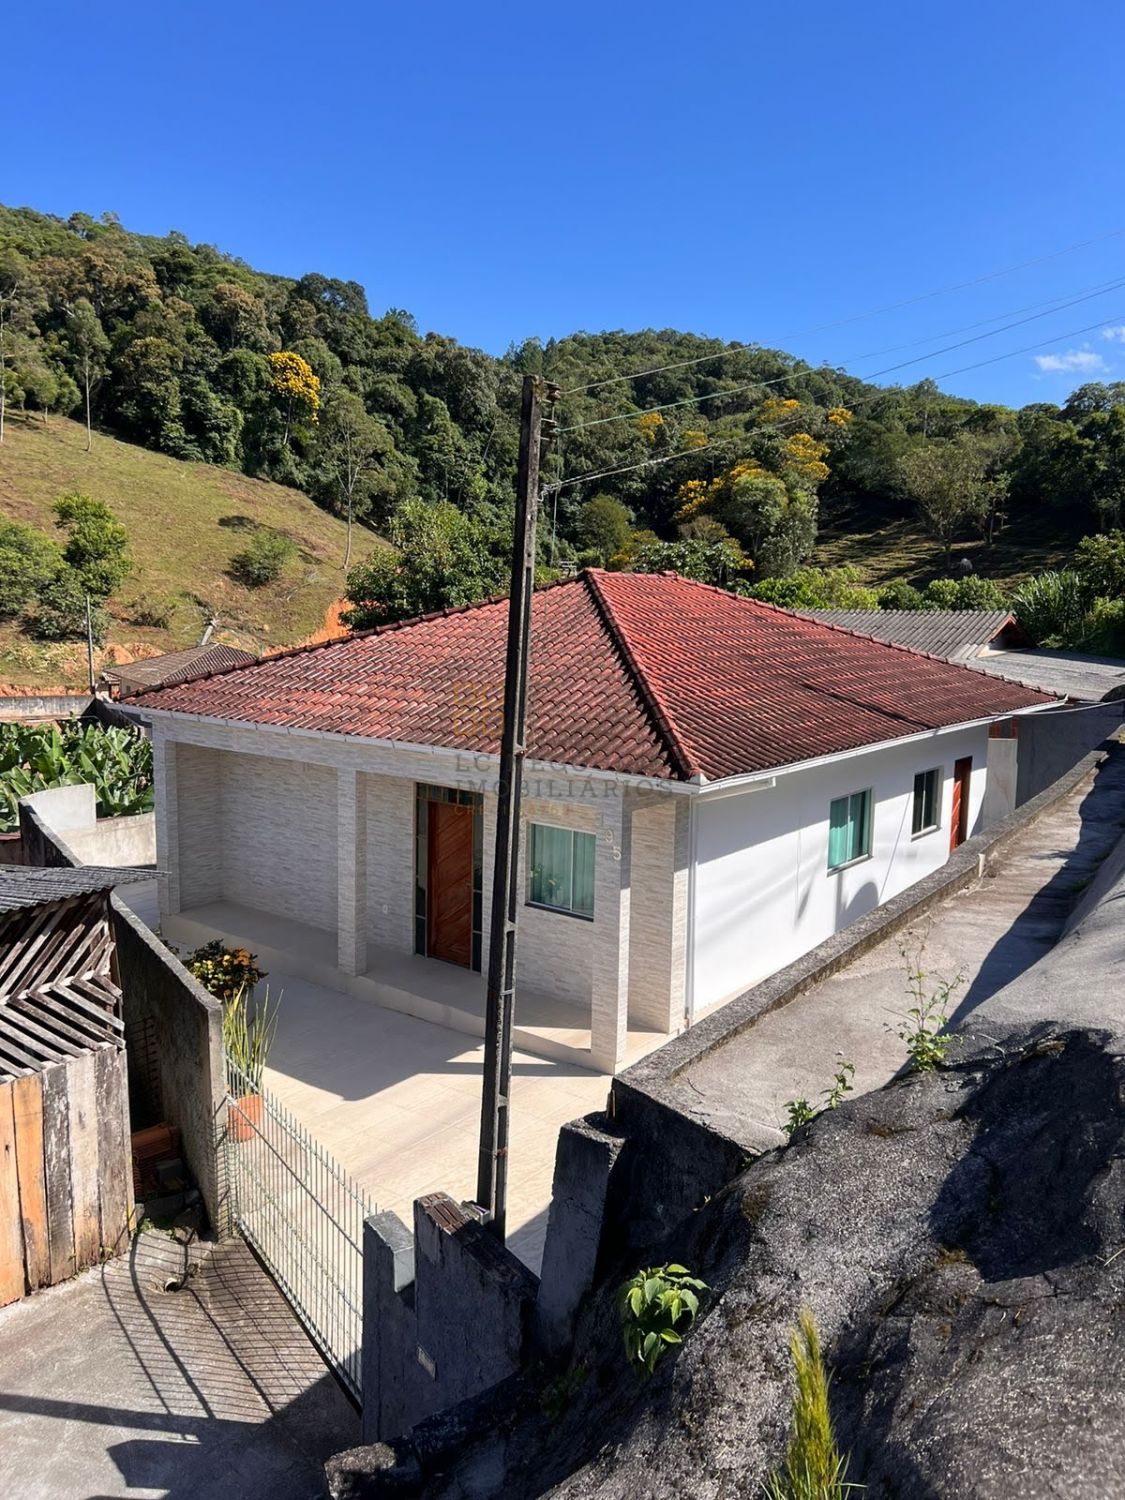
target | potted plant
[{"x": 248, "y": 1031}]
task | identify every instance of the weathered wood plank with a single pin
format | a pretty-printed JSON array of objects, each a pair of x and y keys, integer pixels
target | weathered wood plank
[
  {"x": 11, "y": 1230},
  {"x": 84, "y": 1159},
  {"x": 27, "y": 1099},
  {"x": 114, "y": 1164},
  {"x": 14, "y": 1028},
  {"x": 63, "y": 1021},
  {"x": 56, "y": 1156},
  {"x": 67, "y": 955},
  {"x": 95, "y": 1012},
  {"x": 19, "y": 1055},
  {"x": 26, "y": 951}
]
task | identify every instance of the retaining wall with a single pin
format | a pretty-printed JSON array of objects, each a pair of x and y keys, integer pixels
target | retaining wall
[
  {"x": 1051, "y": 743},
  {"x": 173, "y": 1036}
]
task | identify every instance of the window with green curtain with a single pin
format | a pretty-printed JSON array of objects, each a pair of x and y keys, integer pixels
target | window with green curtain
[
  {"x": 849, "y": 829},
  {"x": 561, "y": 869},
  {"x": 927, "y": 801}
]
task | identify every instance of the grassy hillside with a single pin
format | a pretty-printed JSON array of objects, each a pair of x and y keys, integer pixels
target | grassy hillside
[
  {"x": 185, "y": 522},
  {"x": 885, "y": 548}
]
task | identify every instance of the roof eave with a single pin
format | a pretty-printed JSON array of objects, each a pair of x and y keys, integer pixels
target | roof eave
[{"x": 770, "y": 774}]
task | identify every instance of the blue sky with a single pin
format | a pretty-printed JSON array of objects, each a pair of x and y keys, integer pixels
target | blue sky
[{"x": 738, "y": 170}]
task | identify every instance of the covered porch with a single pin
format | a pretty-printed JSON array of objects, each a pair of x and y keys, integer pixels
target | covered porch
[
  {"x": 328, "y": 870},
  {"x": 444, "y": 994}
]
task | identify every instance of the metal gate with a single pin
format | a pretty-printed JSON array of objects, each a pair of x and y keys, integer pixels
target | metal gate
[{"x": 303, "y": 1214}]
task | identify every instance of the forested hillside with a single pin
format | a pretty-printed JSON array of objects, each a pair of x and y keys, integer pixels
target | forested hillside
[{"x": 729, "y": 463}]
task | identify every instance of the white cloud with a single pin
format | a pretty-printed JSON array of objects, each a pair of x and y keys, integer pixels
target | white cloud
[
  {"x": 1117, "y": 334},
  {"x": 1084, "y": 360}
]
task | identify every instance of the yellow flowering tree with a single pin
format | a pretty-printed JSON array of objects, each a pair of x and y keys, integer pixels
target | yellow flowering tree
[
  {"x": 296, "y": 387},
  {"x": 650, "y": 425}
]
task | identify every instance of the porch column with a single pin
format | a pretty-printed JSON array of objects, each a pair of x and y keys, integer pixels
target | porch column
[
  {"x": 166, "y": 806},
  {"x": 351, "y": 871},
  {"x": 657, "y": 916},
  {"x": 609, "y": 999}
]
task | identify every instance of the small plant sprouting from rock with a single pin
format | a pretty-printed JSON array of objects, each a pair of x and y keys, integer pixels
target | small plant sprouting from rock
[
  {"x": 814, "y": 1467},
  {"x": 921, "y": 1028},
  {"x": 657, "y": 1307},
  {"x": 799, "y": 1112}
]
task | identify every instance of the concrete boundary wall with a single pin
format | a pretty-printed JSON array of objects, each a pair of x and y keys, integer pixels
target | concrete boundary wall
[
  {"x": 447, "y": 1312},
  {"x": 174, "y": 1036},
  {"x": 71, "y": 811}
]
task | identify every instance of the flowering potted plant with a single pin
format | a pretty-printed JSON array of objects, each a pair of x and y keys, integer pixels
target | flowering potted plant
[{"x": 249, "y": 1026}]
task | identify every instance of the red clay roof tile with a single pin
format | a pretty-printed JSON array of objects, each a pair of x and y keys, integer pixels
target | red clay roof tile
[{"x": 648, "y": 674}]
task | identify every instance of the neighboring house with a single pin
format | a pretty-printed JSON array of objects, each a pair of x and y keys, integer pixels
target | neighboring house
[
  {"x": 991, "y": 641},
  {"x": 953, "y": 634},
  {"x": 713, "y": 787},
  {"x": 173, "y": 667}
]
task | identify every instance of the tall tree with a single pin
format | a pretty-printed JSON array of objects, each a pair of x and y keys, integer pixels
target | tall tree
[
  {"x": 350, "y": 444},
  {"x": 439, "y": 558},
  {"x": 14, "y": 272},
  {"x": 947, "y": 480},
  {"x": 90, "y": 347},
  {"x": 296, "y": 387}
]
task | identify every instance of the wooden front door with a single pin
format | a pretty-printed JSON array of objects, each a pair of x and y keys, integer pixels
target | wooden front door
[
  {"x": 959, "y": 822},
  {"x": 449, "y": 883}
]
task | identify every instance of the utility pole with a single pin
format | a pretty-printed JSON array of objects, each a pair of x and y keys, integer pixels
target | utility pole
[
  {"x": 492, "y": 1170},
  {"x": 90, "y": 647}
]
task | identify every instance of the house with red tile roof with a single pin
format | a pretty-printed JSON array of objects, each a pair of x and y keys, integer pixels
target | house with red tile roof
[{"x": 713, "y": 786}]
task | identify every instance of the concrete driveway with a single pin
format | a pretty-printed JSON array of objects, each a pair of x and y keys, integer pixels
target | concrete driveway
[
  {"x": 397, "y": 1102},
  {"x": 112, "y": 1387}
]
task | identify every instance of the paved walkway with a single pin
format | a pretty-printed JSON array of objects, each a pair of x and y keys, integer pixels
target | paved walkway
[
  {"x": 985, "y": 937},
  {"x": 112, "y": 1387}
]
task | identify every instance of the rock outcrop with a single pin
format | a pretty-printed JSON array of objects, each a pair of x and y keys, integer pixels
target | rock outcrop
[{"x": 960, "y": 1238}]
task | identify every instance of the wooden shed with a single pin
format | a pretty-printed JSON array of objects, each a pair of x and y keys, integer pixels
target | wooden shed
[{"x": 66, "y": 1198}]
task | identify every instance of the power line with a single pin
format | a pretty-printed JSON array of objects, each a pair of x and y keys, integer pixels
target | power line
[
  {"x": 626, "y": 416},
  {"x": 1053, "y": 304},
  {"x": 649, "y": 463},
  {"x": 646, "y": 463},
  {"x": 960, "y": 286}
]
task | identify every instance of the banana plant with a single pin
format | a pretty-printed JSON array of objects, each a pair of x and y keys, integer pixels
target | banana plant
[{"x": 117, "y": 762}]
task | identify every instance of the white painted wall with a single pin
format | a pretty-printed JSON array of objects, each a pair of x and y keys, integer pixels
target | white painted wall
[{"x": 763, "y": 892}]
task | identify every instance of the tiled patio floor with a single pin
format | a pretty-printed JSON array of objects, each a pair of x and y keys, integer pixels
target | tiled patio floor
[{"x": 397, "y": 1100}]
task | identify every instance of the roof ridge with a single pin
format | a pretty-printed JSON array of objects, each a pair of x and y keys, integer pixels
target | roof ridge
[{"x": 678, "y": 753}]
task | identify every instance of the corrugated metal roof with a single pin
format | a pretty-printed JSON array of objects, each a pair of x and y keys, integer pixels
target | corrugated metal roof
[
  {"x": 1067, "y": 674},
  {"x": 647, "y": 674},
  {"x": 23, "y": 886},
  {"x": 954, "y": 634}
]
